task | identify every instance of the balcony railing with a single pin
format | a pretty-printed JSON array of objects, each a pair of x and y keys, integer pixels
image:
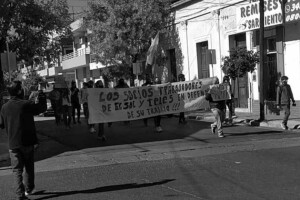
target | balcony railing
[{"x": 76, "y": 53}]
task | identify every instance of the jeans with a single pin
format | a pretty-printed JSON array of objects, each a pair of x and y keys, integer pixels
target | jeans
[
  {"x": 22, "y": 158},
  {"x": 220, "y": 117},
  {"x": 77, "y": 108},
  {"x": 287, "y": 112}
]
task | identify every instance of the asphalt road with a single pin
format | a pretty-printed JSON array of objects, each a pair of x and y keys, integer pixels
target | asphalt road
[
  {"x": 183, "y": 162},
  {"x": 254, "y": 175}
]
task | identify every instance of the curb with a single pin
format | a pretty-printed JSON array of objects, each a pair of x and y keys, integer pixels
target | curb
[{"x": 4, "y": 157}]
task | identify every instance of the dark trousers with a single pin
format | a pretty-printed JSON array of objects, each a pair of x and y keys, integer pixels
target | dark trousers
[
  {"x": 100, "y": 129},
  {"x": 181, "y": 117},
  {"x": 77, "y": 109},
  {"x": 67, "y": 115},
  {"x": 157, "y": 120},
  {"x": 287, "y": 112},
  {"x": 22, "y": 158}
]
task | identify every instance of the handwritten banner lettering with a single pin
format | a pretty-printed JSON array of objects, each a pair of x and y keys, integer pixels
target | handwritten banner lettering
[
  {"x": 220, "y": 92},
  {"x": 122, "y": 104}
]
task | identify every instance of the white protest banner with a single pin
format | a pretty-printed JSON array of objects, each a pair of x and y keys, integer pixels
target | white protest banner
[
  {"x": 247, "y": 17},
  {"x": 122, "y": 104},
  {"x": 220, "y": 92}
]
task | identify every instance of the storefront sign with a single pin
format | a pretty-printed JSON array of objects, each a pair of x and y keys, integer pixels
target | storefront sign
[
  {"x": 292, "y": 10},
  {"x": 248, "y": 15},
  {"x": 108, "y": 105}
]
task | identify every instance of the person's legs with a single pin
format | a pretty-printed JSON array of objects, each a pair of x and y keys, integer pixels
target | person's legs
[
  {"x": 29, "y": 168},
  {"x": 101, "y": 135},
  {"x": 65, "y": 114},
  {"x": 219, "y": 117},
  {"x": 17, "y": 165},
  {"x": 78, "y": 113},
  {"x": 69, "y": 115},
  {"x": 287, "y": 112},
  {"x": 157, "y": 120},
  {"x": 73, "y": 114},
  {"x": 145, "y": 120},
  {"x": 182, "y": 118},
  {"x": 230, "y": 112}
]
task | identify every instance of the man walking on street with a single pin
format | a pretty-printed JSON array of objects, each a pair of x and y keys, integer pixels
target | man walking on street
[
  {"x": 17, "y": 117},
  {"x": 218, "y": 109},
  {"x": 283, "y": 100}
]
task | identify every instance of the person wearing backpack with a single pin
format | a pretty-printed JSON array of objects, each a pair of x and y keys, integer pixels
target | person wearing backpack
[{"x": 283, "y": 100}]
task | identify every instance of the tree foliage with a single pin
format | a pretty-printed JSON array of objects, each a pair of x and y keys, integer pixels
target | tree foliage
[
  {"x": 121, "y": 30},
  {"x": 239, "y": 62},
  {"x": 29, "y": 24}
]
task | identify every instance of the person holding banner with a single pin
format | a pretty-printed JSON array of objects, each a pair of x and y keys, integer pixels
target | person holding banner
[
  {"x": 218, "y": 109},
  {"x": 181, "y": 78},
  {"x": 101, "y": 136},
  {"x": 90, "y": 84},
  {"x": 157, "y": 119},
  {"x": 148, "y": 82}
]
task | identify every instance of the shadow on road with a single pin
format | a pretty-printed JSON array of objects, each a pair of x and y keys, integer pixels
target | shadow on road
[{"x": 100, "y": 189}]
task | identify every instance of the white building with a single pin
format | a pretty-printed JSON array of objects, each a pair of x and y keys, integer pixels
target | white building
[{"x": 207, "y": 27}]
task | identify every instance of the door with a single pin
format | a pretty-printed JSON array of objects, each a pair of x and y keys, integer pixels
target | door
[
  {"x": 203, "y": 66},
  {"x": 271, "y": 78}
]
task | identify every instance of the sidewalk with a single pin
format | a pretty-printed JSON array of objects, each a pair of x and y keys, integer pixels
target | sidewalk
[{"x": 247, "y": 118}]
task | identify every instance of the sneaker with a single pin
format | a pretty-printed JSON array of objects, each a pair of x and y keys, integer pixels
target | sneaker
[
  {"x": 31, "y": 192},
  {"x": 284, "y": 127},
  {"x": 159, "y": 129},
  {"x": 221, "y": 135},
  {"x": 182, "y": 122},
  {"x": 102, "y": 138},
  {"x": 92, "y": 130},
  {"x": 234, "y": 116},
  {"x": 213, "y": 128}
]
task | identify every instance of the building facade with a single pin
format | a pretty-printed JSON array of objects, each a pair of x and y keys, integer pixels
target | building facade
[{"x": 208, "y": 30}]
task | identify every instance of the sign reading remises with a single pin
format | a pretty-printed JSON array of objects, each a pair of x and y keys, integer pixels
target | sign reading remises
[{"x": 248, "y": 15}]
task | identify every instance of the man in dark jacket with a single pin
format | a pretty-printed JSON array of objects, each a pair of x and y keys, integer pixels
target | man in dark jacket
[
  {"x": 17, "y": 117},
  {"x": 283, "y": 100},
  {"x": 218, "y": 109}
]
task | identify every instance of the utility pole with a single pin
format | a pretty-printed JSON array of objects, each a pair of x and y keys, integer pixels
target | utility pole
[{"x": 261, "y": 61}]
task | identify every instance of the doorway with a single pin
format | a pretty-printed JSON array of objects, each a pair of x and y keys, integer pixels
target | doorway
[{"x": 203, "y": 66}]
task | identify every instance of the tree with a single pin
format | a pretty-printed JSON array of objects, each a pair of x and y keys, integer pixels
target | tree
[
  {"x": 28, "y": 25},
  {"x": 240, "y": 62},
  {"x": 121, "y": 30}
]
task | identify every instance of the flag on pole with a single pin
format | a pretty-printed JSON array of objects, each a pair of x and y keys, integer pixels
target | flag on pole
[{"x": 152, "y": 50}]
